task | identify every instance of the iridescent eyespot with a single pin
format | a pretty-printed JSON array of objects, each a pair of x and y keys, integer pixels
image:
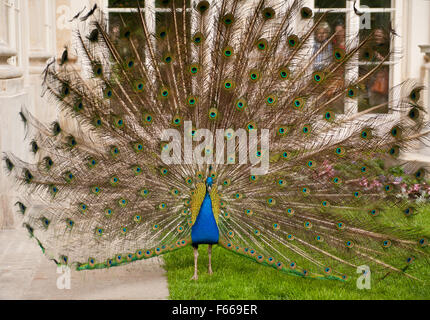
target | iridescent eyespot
[
  {"x": 251, "y": 126},
  {"x": 306, "y": 129},
  {"x": 298, "y": 103},
  {"x": 410, "y": 260},
  {"x": 238, "y": 196},
  {"x": 194, "y": 69},
  {"x": 423, "y": 242},
  {"x": 396, "y": 132},
  {"x": 249, "y": 212},
  {"x": 254, "y": 75},
  {"x": 394, "y": 151},
  {"x": 268, "y": 13},
  {"x": 108, "y": 93},
  {"x": 318, "y": 77},
  {"x": 122, "y": 202},
  {"x": 202, "y": 6},
  {"x": 271, "y": 100},
  {"x": 366, "y": 134},
  {"x": 229, "y": 84},
  {"x": 290, "y": 211},
  {"x": 192, "y": 101},
  {"x": 374, "y": 212},
  {"x": 168, "y": 58},
  {"x": 228, "y": 20},
  {"x": 329, "y": 116},
  {"x": 351, "y": 92},
  {"x": 339, "y": 54},
  {"x": 388, "y": 188},
  {"x": 386, "y": 243},
  {"x": 95, "y": 190},
  {"x": 337, "y": 180},
  {"x": 262, "y": 44},
  {"x": 228, "y": 52},
  {"x": 271, "y": 202},
  {"x": 420, "y": 174},
  {"x": 91, "y": 262},
  {"x": 164, "y": 92},
  {"x": 293, "y": 41},
  {"x": 198, "y": 38},
  {"x": 71, "y": 141},
  {"x": 285, "y": 155},
  {"x": 340, "y": 225},
  {"x": 213, "y": 113},
  {"x": 114, "y": 181},
  {"x": 340, "y": 151},
  {"x": 240, "y": 104},
  {"x": 415, "y": 94},
  {"x": 306, "y": 13},
  {"x": 284, "y": 73}
]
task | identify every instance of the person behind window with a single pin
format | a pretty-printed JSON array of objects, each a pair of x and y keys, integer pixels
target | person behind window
[
  {"x": 378, "y": 84},
  {"x": 339, "y": 75},
  {"x": 339, "y": 39},
  {"x": 322, "y": 34}
]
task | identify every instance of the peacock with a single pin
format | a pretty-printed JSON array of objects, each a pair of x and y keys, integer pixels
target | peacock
[{"x": 221, "y": 126}]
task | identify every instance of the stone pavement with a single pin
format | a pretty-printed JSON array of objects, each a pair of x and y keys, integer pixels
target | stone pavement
[{"x": 25, "y": 273}]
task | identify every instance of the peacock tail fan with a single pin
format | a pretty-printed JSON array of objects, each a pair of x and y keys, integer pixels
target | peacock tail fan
[{"x": 107, "y": 187}]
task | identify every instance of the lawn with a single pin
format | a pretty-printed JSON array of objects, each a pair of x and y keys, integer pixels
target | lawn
[{"x": 238, "y": 278}]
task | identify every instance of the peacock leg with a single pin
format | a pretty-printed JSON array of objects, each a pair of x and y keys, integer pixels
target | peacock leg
[
  {"x": 210, "y": 259},
  {"x": 196, "y": 255}
]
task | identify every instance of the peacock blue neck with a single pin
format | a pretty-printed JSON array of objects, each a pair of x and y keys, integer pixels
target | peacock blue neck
[{"x": 205, "y": 229}]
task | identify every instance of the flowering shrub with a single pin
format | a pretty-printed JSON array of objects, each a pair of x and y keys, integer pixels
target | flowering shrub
[{"x": 410, "y": 187}]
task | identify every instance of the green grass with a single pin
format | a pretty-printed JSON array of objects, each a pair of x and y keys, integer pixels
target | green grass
[{"x": 236, "y": 277}]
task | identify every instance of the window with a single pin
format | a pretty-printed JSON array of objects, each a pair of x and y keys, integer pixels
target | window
[
  {"x": 376, "y": 19},
  {"x": 10, "y": 29},
  {"x": 158, "y": 15}
]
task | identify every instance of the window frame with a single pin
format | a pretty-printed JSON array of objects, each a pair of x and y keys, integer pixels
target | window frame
[
  {"x": 352, "y": 23},
  {"x": 149, "y": 10}
]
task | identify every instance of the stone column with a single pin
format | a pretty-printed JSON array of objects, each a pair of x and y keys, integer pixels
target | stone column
[
  {"x": 12, "y": 96},
  {"x": 41, "y": 47}
]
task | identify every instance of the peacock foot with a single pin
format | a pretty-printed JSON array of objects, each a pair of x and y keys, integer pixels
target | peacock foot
[
  {"x": 195, "y": 277},
  {"x": 210, "y": 271}
]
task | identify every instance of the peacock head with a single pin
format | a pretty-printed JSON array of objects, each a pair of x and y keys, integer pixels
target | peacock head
[{"x": 209, "y": 180}]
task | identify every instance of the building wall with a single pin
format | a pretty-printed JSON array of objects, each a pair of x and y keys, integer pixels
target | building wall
[{"x": 32, "y": 31}]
